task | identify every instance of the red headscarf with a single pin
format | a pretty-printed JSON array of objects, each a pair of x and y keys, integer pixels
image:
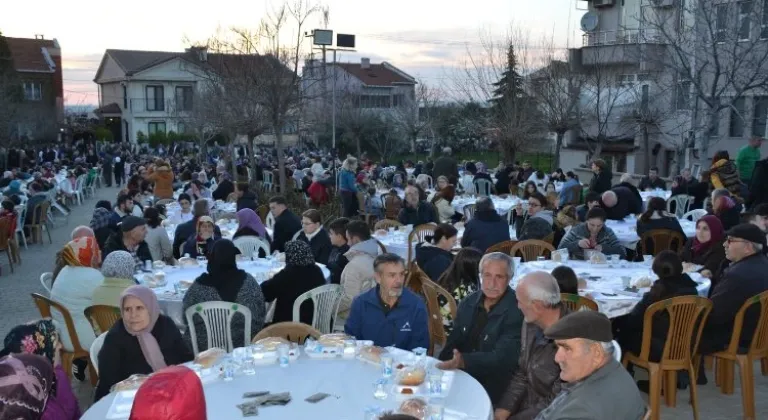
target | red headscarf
[{"x": 716, "y": 231}]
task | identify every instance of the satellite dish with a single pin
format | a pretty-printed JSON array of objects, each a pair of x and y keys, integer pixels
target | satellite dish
[{"x": 589, "y": 22}]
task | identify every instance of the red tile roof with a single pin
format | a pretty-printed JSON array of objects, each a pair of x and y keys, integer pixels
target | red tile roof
[
  {"x": 376, "y": 74},
  {"x": 28, "y": 55}
]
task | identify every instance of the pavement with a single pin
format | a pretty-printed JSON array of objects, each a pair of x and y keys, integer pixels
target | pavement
[{"x": 17, "y": 308}]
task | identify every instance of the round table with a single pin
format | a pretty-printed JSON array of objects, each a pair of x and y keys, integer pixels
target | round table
[
  {"x": 626, "y": 230},
  {"x": 171, "y": 302},
  {"x": 604, "y": 282},
  {"x": 502, "y": 205},
  {"x": 349, "y": 381},
  {"x": 397, "y": 241}
]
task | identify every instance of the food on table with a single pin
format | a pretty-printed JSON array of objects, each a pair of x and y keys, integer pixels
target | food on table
[
  {"x": 557, "y": 257},
  {"x": 598, "y": 258},
  {"x": 133, "y": 382},
  {"x": 399, "y": 366},
  {"x": 188, "y": 262},
  {"x": 406, "y": 391},
  {"x": 209, "y": 357},
  {"x": 158, "y": 265},
  {"x": 372, "y": 353},
  {"x": 642, "y": 282},
  {"x": 271, "y": 343},
  {"x": 333, "y": 340},
  {"x": 415, "y": 407},
  {"x": 582, "y": 283},
  {"x": 185, "y": 284},
  {"x": 381, "y": 232},
  {"x": 412, "y": 376}
]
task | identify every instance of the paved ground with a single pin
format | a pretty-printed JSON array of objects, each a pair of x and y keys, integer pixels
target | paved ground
[{"x": 17, "y": 307}]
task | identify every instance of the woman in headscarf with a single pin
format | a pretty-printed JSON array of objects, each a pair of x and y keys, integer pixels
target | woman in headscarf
[
  {"x": 142, "y": 342},
  {"x": 706, "y": 247},
  {"x": 76, "y": 276},
  {"x": 101, "y": 225},
  {"x": 249, "y": 224},
  {"x": 300, "y": 275},
  {"x": 726, "y": 208},
  {"x": 28, "y": 383},
  {"x": 198, "y": 245},
  {"x": 14, "y": 192},
  {"x": 225, "y": 282},
  {"x": 41, "y": 338},
  {"x": 117, "y": 269}
]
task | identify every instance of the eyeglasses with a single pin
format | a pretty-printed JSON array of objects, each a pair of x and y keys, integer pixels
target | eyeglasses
[{"x": 731, "y": 240}]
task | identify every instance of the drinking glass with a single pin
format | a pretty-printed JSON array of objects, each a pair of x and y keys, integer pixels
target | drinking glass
[
  {"x": 282, "y": 355},
  {"x": 436, "y": 382},
  {"x": 436, "y": 409},
  {"x": 625, "y": 281},
  {"x": 249, "y": 364},
  {"x": 648, "y": 259},
  {"x": 255, "y": 256},
  {"x": 380, "y": 390},
  {"x": 386, "y": 366},
  {"x": 541, "y": 258}
]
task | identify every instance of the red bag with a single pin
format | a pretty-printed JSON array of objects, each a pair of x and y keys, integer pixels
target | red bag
[{"x": 173, "y": 393}]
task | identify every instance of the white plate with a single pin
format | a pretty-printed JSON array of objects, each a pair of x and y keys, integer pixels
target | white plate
[{"x": 121, "y": 405}]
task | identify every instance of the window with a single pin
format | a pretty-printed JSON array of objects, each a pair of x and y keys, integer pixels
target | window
[
  {"x": 736, "y": 127},
  {"x": 714, "y": 128},
  {"x": 721, "y": 24},
  {"x": 745, "y": 20},
  {"x": 155, "y": 98},
  {"x": 759, "y": 116},
  {"x": 125, "y": 97},
  {"x": 184, "y": 98},
  {"x": 181, "y": 128},
  {"x": 764, "y": 32},
  {"x": 683, "y": 96},
  {"x": 645, "y": 89},
  {"x": 398, "y": 100},
  {"x": 156, "y": 127},
  {"x": 373, "y": 101},
  {"x": 33, "y": 91}
]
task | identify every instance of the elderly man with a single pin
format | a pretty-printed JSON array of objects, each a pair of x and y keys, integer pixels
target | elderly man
[
  {"x": 130, "y": 238},
  {"x": 684, "y": 183},
  {"x": 445, "y": 165},
  {"x": 619, "y": 202},
  {"x": 485, "y": 340},
  {"x": 82, "y": 232},
  {"x": 537, "y": 380},
  {"x": 598, "y": 387},
  {"x": 389, "y": 314},
  {"x": 416, "y": 212},
  {"x": 652, "y": 181}
]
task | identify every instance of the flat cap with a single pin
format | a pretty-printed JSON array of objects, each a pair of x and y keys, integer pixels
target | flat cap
[
  {"x": 130, "y": 222},
  {"x": 747, "y": 232},
  {"x": 590, "y": 325}
]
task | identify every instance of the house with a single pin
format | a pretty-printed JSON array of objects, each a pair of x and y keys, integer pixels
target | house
[{"x": 37, "y": 62}]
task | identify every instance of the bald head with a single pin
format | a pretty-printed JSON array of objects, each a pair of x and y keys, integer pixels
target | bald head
[
  {"x": 82, "y": 232},
  {"x": 609, "y": 199}
]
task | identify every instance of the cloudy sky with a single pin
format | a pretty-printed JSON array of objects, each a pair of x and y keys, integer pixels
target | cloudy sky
[{"x": 427, "y": 38}]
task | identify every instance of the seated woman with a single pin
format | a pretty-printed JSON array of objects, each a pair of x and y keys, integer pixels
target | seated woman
[
  {"x": 442, "y": 201},
  {"x": 199, "y": 244},
  {"x": 29, "y": 385},
  {"x": 434, "y": 254},
  {"x": 300, "y": 275},
  {"x": 249, "y": 224},
  {"x": 312, "y": 233},
  {"x": 706, "y": 247},
  {"x": 656, "y": 217},
  {"x": 538, "y": 223},
  {"x": 461, "y": 279},
  {"x": 566, "y": 279},
  {"x": 142, "y": 342},
  {"x": 530, "y": 188},
  {"x": 101, "y": 224},
  {"x": 40, "y": 338},
  {"x": 726, "y": 208},
  {"x": 185, "y": 214},
  {"x": 225, "y": 282},
  {"x": 157, "y": 237},
  {"x": 117, "y": 270},
  {"x": 592, "y": 235}
]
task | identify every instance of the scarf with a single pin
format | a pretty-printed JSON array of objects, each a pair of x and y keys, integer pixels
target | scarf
[
  {"x": 299, "y": 254},
  {"x": 716, "y": 231},
  {"x": 101, "y": 218},
  {"x": 82, "y": 252},
  {"x": 37, "y": 337},
  {"x": 249, "y": 218},
  {"x": 119, "y": 265},
  {"x": 223, "y": 274},
  {"x": 26, "y": 383},
  {"x": 202, "y": 243},
  {"x": 147, "y": 342}
]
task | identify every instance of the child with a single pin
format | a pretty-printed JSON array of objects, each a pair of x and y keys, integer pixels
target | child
[{"x": 337, "y": 230}]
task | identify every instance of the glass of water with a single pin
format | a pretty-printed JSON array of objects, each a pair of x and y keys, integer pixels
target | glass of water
[
  {"x": 386, "y": 366},
  {"x": 436, "y": 409},
  {"x": 436, "y": 382}
]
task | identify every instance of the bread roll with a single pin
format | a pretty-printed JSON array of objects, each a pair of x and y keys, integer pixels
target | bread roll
[
  {"x": 333, "y": 340},
  {"x": 415, "y": 407},
  {"x": 208, "y": 358},
  {"x": 372, "y": 353},
  {"x": 271, "y": 343},
  {"x": 413, "y": 376}
]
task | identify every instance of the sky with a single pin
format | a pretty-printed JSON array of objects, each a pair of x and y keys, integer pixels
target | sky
[{"x": 428, "y": 39}]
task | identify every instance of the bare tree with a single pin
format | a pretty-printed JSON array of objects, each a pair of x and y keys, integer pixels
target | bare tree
[{"x": 415, "y": 116}]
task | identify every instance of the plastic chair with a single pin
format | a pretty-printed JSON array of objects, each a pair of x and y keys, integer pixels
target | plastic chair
[
  {"x": 682, "y": 204},
  {"x": 98, "y": 343},
  {"x": 660, "y": 240},
  {"x": 268, "y": 183},
  {"x": 46, "y": 279},
  {"x": 418, "y": 234},
  {"x": 758, "y": 350},
  {"x": 469, "y": 212},
  {"x": 695, "y": 215},
  {"x": 386, "y": 224},
  {"x": 102, "y": 317},
  {"x": 382, "y": 248},
  {"x": 270, "y": 222},
  {"x": 40, "y": 221},
  {"x": 392, "y": 204},
  {"x": 326, "y": 300},
  {"x": 44, "y": 305},
  {"x": 217, "y": 317},
  {"x": 505, "y": 247},
  {"x": 483, "y": 187},
  {"x": 79, "y": 184},
  {"x": 687, "y": 316},
  {"x": 576, "y": 302},
  {"x": 89, "y": 189},
  {"x": 295, "y": 332},
  {"x": 250, "y": 244},
  {"x": 432, "y": 291},
  {"x": 6, "y": 238},
  {"x": 531, "y": 249},
  {"x": 232, "y": 197}
]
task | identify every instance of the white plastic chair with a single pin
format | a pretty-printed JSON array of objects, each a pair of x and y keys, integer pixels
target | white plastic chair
[
  {"x": 695, "y": 215},
  {"x": 217, "y": 317},
  {"x": 682, "y": 204},
  {"x": 46, "y": 279},
  {"x": 483, "y": 187},
  {"x": 90, "y": 186},
  {"x": 79, "y": 185},
  {"x": 268, "y": 180},
  {"x": 616, "y": 351},
  {"x": 250, "y": 244},
  {"x": 95, "y": 349},
  {"x": 430, "y": 183},
  {"x": 326, "y": 300},
  {"x": 296, "y": 235},
  {"x": 270, "y": 221},
  {"x": 22, "y": 212},
  {"x": 467, "y": 185}
]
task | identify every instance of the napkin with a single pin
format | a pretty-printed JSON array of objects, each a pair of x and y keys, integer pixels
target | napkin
[{"x": 251, "y": 408}]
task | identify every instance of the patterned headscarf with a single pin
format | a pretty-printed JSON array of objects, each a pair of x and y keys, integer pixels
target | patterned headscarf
[
  {"x": 249, "y": 218},
  {"x": 26, "y": 381},
  {"x": 37, "y": 337},
  {"x": 101, "y": 218},
  {"x": 119, "y": 265},
  {"x": 82, "y": 252},
  {"x": 298, "y": 253},
  {"x": 147, "y": 342}
]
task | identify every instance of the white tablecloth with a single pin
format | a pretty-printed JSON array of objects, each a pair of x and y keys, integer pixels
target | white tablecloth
[
  {"x": 171, "y": 302},
  {"x": 502, "y": 205},
  {"x": 646, "y": 195},
  {"x": 349, "y": 381},
  {"x": 397, "y": 241},
  {"x": 626, "y": 230},
  {"x": 605, "y": 278}
]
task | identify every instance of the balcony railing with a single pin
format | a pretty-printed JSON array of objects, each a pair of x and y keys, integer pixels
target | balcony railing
[
  {"x": 621, "y": 37},
  {"x": 170, "y": 106}
]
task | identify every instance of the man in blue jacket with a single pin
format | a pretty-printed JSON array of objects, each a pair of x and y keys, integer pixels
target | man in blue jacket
[{"x": 389, "y": 314}]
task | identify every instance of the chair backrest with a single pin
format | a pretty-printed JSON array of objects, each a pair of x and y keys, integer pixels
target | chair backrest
[
  {"x": 80, "y": 183},
  {"x": 46, "y": 306},
  {"x": 392, "y": 205},
  {"x": 295, "y": 332},
  {"x": 382, "y": 248},
  {"x": 46, "y": 279},
  {"x": 21, "y": 210},
  {"x": 386, "y": 224},
  {"x": 250, "y": 244},
  {"x": 681, "y": 204},
  {"x": 505, "y": 247},
  {"x": 270, "y": 222},
  {"x": 466, "y": 184},
  {"x": 96, "y": 346},
  {"x": 296, "y": 235},
  {"x": 576, "y": 302},
  {"x": 695, "y": 215},
  {"x": 483, "y": 186},
  {"x": 217, "y": 318},
  {"x": 437, "y": 335},
  {"x": 165, "y": 201},
  {"x": 687, "y": 316},
  {"x": 469, "y": 211},
  {"x": 759, "y": 343},
  {"x": 40, "y": 213},
  {"x": 102, "y": 317},
  {"x": 5, "y": 232},
  {"x": 419, "y": 234},
  {"x": 660, "y": 240},
  {"x": 326, "y": 300},
  {"x": 530, "y": 249}
]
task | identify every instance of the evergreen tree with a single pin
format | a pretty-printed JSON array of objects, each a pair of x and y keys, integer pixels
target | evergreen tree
[{"x": 510, "y": 86}]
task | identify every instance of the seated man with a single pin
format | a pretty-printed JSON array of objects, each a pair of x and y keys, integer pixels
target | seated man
[
  {"x": 485, "y": 339},
  {"x": 286, "y": 223},
  {"x": 130, "y": 238},
  {"x": 592, "y": 235},
  {"x": 620, "y": 202},
  {"x": 389, "y": 314},
  {"x": 415, "y": 211},
  {"x": 598, "y": 387},
  {"x": 537, "y": 380},
  {"x": 486, "y": 228},
  {"x": 537, "y": 224},
  {"x": 591, "y": 200},
  {"x": 652, "y": 181}
]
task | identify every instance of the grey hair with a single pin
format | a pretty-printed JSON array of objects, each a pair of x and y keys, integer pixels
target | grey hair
[
  {"x": 625, "y": 178},
  {"x": 499, "y": 256},
  {"x": 758, "y": 248},
  {"x": 484, "y": 204},
  {"x": 720, "y": 192},
  {"x": 447, "y": 150},
  {"x": 542, "y": 287},
  {"x": 607, "y": 346},
  {"x": 350, "y": 163}
]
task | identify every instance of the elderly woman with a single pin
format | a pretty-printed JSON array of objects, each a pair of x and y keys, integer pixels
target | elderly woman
[
  {"x": 313, "y": 234},
  {"x": 300, "y": 275},
  {"x": 249, "y": 224},
  {"x": 29, "y": 382},
  {"x": 225, "y": 282},
  {"x": 442, "y": 202},
  {"x": 198, "y": 245},
  {"x": 348, "y": 187},
  {"x": 142, "y": 342},
  {"x": 117, "y": 270}
]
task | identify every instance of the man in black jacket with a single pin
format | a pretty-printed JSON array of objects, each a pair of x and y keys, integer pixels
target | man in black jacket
[
  {"x": 652, "y": 181},
  {"x": 758, "y": 188},
  {"x": 246, "y": 198},
  {"x": 602, "y": 178},
  {"x": 130, "y": 238},
  {"x": 187, "y": 229},
  {"x": 620, "y": 202},
  {"x": 445, "y": 166},
  {"x": 486, "y": 228},
  {"x": 415, "y": 211},
  {"x": 286, "y": 223}
]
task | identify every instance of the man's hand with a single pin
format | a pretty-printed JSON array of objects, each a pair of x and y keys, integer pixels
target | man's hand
[
  {"x": 456, "y": 363},
  {"x": 584, "y": 244},
  {"x": 501, "y": 414}
]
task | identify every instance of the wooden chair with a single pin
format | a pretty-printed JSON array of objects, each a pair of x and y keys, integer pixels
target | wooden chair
[
  {"x": 505, "y": 247},
  {"x": 531, "y": 249},
  {"x": 164, "y": 201},
  {"x": 687, "y": 316},
  {"x": 418, "y": 234},
  {"x": 263, "y": 211},
  {"x": 576, "y": 302},
  {"x": 6, "y": 236},
  {"x": 39, "y": 222},
  {"x": 469, "y": 212},
  {"x": 432, "y": 291},
  {"x": 660, "y": 240},
  {"x": 758, "y": 350},
  {"x": 295, "y": 332},
  {"x": 549, "y": 238},
  {"x": 102, "y": 317},
  {"x": 386, "y": 224},
  {"x": 392, "y": 204},
  {"x": 44, "y": 305}
]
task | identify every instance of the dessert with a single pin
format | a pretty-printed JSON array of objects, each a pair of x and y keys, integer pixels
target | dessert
[
  {"x": 644, "y": 281},
  {"x": 557, "y": 257},
  {"x": 208, "y": 358},
  {"x": 406, "y": 391},
  {"x": 158, "y": 265},
  {"x": 188, "y": 262},
  {"x": 412, "y": 376},
  {"x": 381, "y": 232},
  {"x": 372, "y": 353},
  {"x": 333, "y": 340},
  {"x": 133, "y": 382},
  {"x": 271, "y": 343},
  {"x": 185, "y": 284},
  {"x": 598, "y": 258},
  {"x": 415, "y": 407}
]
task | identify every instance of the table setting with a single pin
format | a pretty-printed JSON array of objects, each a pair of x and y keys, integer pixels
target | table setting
[
  {"x": 626, "y": 230},
  {"x": 647, "y": 195},
  {"x": 502, "y": 205},
  {"x": 396, "y": 239}
]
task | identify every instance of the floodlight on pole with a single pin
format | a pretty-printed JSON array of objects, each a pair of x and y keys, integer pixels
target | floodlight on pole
[{"x": 322, "y": 37}]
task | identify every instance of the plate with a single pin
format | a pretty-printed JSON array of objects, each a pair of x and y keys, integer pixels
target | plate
[{"x": 121, "y": 405}]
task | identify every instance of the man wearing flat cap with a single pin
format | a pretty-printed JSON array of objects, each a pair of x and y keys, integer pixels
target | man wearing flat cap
[
  {"x": 744, "y": 278},
  {"x": 596, "y": 386},
  {"x": 130, "y": 238}
]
